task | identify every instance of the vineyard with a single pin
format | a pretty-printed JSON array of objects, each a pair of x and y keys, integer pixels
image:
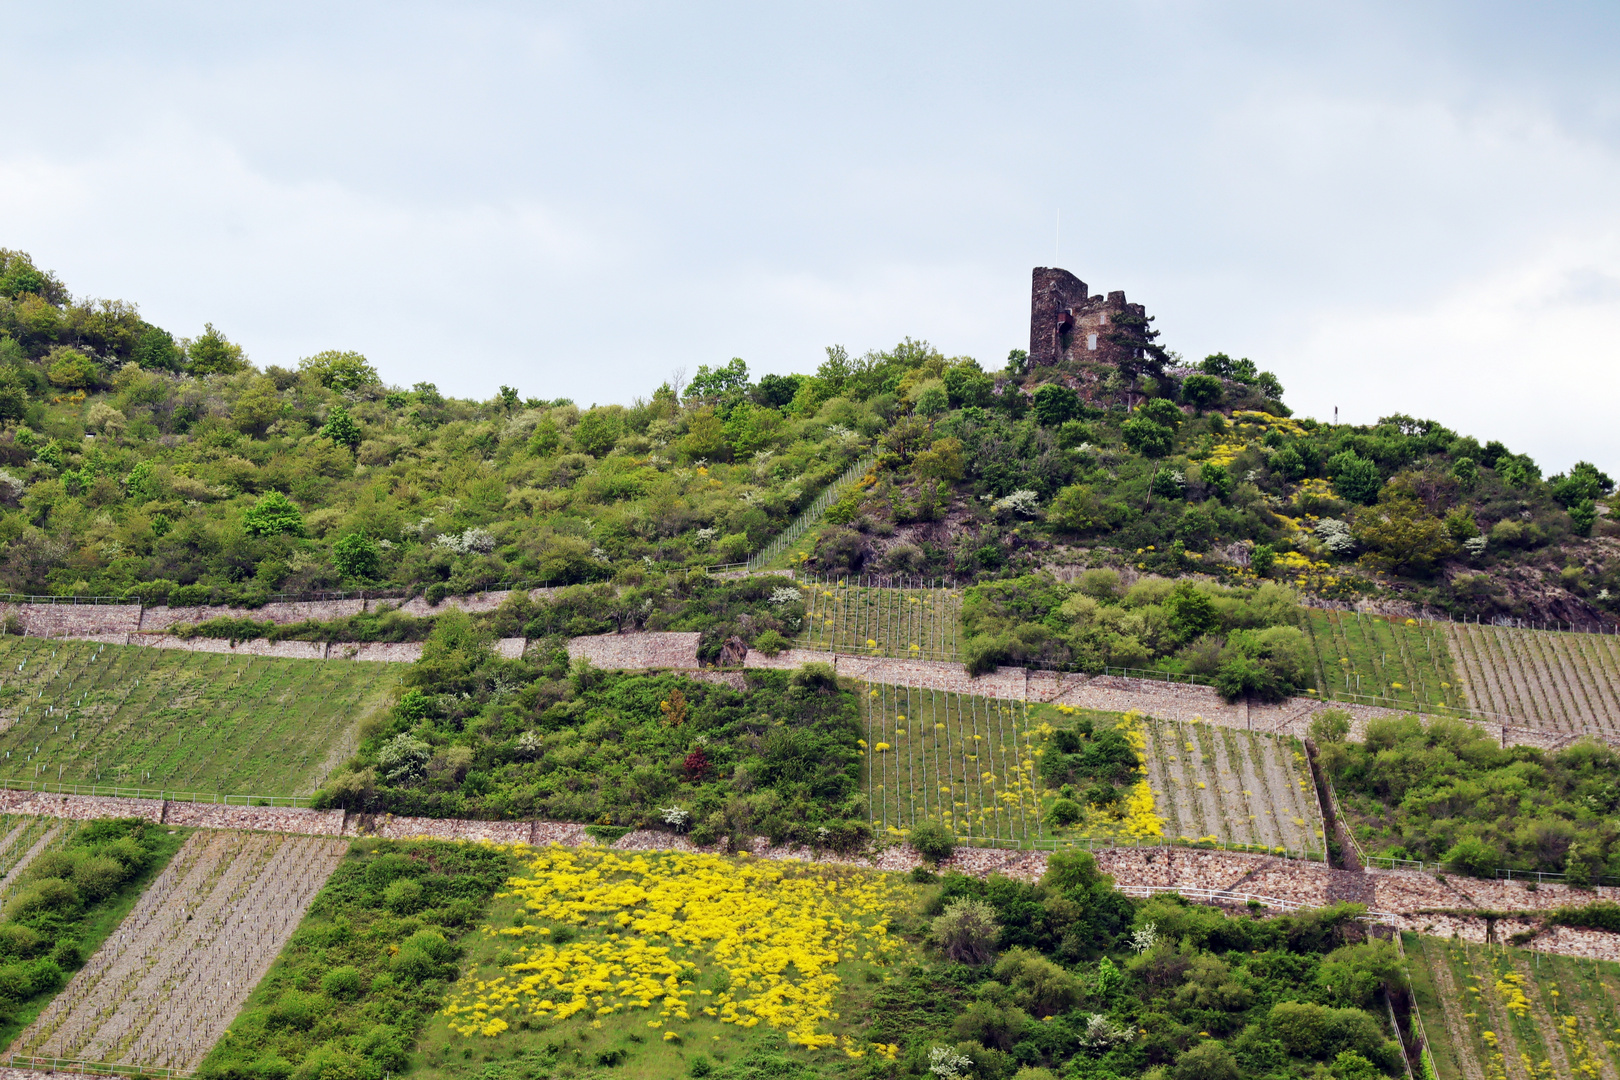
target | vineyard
[
  {"x": 962, "y": 760},
  {"x": 899, "y": 617},
  {"x": 78, "y": 712},
  {"x": 1400, "y": 662},
  {"x": 1497, "y": 1012},
  {"x": 25, "y": 838},
  {"x": 1556, "y": 681},
  {"x": 169, "y": 981},
  {"x": 1233, "y": 788}
]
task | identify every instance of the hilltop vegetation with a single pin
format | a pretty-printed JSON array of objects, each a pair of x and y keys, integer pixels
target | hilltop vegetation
[{"x": 136, "y": 462}]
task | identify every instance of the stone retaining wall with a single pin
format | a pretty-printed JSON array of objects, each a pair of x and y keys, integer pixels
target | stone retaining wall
[
  {"x": 1411, "y": 897},
  {"x": 283, "y": 650},
  {"x": 160, "y": 618},
  {"x": 637, "y": 651},
  {"x": 282, "y": 819}
]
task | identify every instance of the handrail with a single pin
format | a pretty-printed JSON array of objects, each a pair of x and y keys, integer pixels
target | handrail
[
  {"x": 1193, "y": 892},
  {"x": 810, "y": 514},
  {"x": 1417, "y": 1013},
  {"x": 114, "y": 791},
  {"x": 91, "y": 1068}
]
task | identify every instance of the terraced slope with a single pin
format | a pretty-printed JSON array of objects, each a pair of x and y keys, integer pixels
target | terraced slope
[
  {"x": 1491, "y": 1011},
  {"x": 1233, "y": 788},
  {"x": 963, "y": 760},
  {"x": 82, "y": 713},
  {"x": 900, "y": 617},
  {"x": 161, "y": 990},
  {"x": 1396, "y": 661},
  {"x": 1556, "y": 681}
]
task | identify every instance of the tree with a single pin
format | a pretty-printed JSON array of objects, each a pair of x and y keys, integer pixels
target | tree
[
  {"x": 933, "y": 841},
  {"x": 597, "y": 432},
  {"x": 1161, "y": 411},
  {"x": 214, "y": 354},
  {"x": 13, "y": 395},
  {"x": 776, "y": 391},
  {"x": 70, "y": 369},
  {"x": 341, "y": 371},
  {"x": 273, "y": 515},
  {"x": 341, "y": 428},
  {"x": 1402, "y": 536},
  {"x": 357, "y": 555},
  {"x": 156, "y": 350},
  {"x": 1585, "y": 483},
  {"x": 1201, "y": 391},
  {"x": 1330, "y": 726},
  {"x": 719, "y": 381},
  {"x": 1147, "y": 437},
  {"x": 259, "y": 406},
  {"x": 1054, "y": 403},
  {"x": 968, "y": 385},
  {"x": 1206, "y": 1061},
  {"x": 1355, "y": 478},
  {"x": 932, "y": 398}
]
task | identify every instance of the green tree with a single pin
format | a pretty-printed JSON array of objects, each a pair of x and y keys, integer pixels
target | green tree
[
  {"x": 1402, "y": 536},
  {"x": 1355, "y": 478},
  {"x": 1054, "y": 403},
  {"x": 341, "y": 371},
  {"x": 214, "y": 354},
  {"x": 597, "y": 432},
  {"x": 719, "y": 381},
  {"x": 1201, "y": 391},
  {"x": 156, "y": 350},
  {"x": 341, "y": 428},
  {"x": 273, "y": 515},
  {"x": 13, "y": 395},
  {"x": 1161, "y": 411},
  {"x": 357, "y": 555},
  {"x": 1147, "y": 437},
  {"x": 259, "y": 406},
  {"x": 933, "y": 841},
  {"x": 70, "y": 369}
]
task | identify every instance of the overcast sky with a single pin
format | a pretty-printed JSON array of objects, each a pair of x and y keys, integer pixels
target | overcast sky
[{"x": 1396, "y": 207}]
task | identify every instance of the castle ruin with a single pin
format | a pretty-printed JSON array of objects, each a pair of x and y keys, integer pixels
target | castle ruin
[{"x": 1067, "y": 323}]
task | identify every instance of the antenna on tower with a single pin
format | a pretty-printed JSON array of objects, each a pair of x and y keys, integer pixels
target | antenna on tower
[{"x": 1057, "y": 234}]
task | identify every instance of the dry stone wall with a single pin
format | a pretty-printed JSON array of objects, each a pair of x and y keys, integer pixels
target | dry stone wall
[
  {"x": 1411, "y": 900},
  {"x": 637, "y": 651}
]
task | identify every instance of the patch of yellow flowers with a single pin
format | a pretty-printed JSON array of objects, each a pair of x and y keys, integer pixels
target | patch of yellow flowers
[{"x": 766, "y": 935}]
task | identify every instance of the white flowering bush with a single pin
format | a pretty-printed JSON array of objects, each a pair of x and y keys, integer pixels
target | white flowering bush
[
  {"x": 1102, "y": 1034},
  {"x": 1023, "y": 502},
  {"x": 465, "y": 543},
  {"x": 947, "y": 1064},
  {"x": 675, "y": 817},
  {"x": 1335, "y": 536},
  {"x": 784, "y": 595}
]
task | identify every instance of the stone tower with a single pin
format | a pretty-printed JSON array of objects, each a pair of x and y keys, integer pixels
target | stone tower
[{"x": 1067, "y": 323}]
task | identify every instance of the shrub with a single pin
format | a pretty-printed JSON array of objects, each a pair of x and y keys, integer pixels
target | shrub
[
  {"x": 343, "y": 984},
  {"x": 770, "y": 642},
  {"x": 967, "y": 931},
  {"x": 403, "y": 897},
  {"x": 1065, "y": 811},
  {"x": 933, "y": 841}
]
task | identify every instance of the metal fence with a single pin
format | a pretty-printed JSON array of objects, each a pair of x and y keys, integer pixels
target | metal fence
[
  {"x": 91, "y": 1068},
  {"x": 1229, "y": 897},
  {"x": 113, "y": 791},
  {"x": 810, "y": 515}
]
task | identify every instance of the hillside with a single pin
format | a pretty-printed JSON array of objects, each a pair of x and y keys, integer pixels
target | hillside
[
  {"x": 138, "y": 462},
  {"x": 862, "y": 723}
]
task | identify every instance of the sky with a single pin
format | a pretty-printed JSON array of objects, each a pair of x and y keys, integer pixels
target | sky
[{"x": 1402, "y": 207}]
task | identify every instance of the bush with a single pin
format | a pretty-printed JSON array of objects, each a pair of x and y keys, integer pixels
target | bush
[
  {"x": 1065, "y": 811},
  {"x": 770, "y": 642},
  {"x": 343, "y": 984},
  {"x": 967, "y": 931},
  {"x": 933, "y": 841}
]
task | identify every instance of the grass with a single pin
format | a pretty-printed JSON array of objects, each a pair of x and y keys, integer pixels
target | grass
[
  {"x": 83, "y": 713},
  {"x": 1402, "y": 662},
  {"x": 962, "y": 760},
  {"x": 97, "y": 928},
  {"x": 904, "y": 617}
]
